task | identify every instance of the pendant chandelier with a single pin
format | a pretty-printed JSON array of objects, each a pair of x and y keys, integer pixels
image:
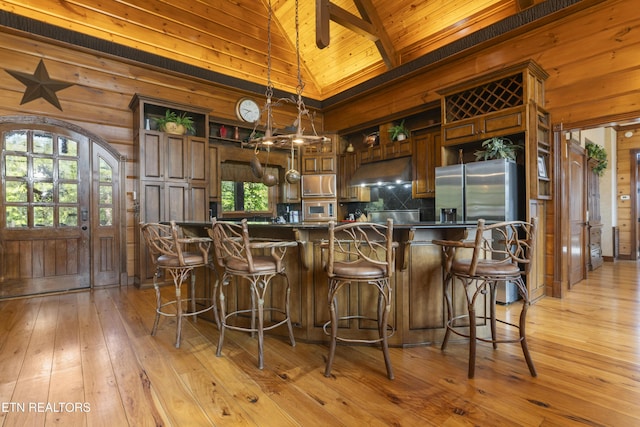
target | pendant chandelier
[{"x": 271, "y": 137}]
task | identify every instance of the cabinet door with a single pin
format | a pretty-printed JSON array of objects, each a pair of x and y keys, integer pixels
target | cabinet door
[
  {"x": 152, "y": 156},
  {"x": 371, "y": 154},
  {"x": 198, "y": 160},
  {"x": 479, "y": 128},
  {"x": 426, "y": 158},
  {"x": 394, "y": 149},
  {"x": 177, "y": 157},
  {"x": 198, "y": 203},
  {"x": 176, "y": 206},
  {"x": 214, "y": 170},
  {"x": 290, "y": 193},
  {"x": 460, "y": 131},
  {"x": 319, "y": 164}
]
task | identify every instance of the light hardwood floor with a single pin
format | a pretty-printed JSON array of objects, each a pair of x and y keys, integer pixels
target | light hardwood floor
[{"x": 87, "y": 359}]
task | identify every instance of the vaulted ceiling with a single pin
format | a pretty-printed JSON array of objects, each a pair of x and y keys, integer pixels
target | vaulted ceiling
[{"x": 364, "y": 38}]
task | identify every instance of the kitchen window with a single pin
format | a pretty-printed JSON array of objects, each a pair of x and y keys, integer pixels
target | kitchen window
[{"x": 244, "y": 194}]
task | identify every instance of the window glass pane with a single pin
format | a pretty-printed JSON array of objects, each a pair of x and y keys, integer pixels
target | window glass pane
[
  {"x": 16, "y": 166},
  {"x": 42, "y": 168},
  {"x": 105, "y": 195},
  {"x": 15, "y": 191},
  {"x": 68, "y": 193},
  {"x": 16, "y": 216},
  {"x": 16, "y": 141},
  {"x": 43, "y": 192},
  {"x": 67, "y": 169},
  {"x": 43, "y": 216},
  {"x": 106, "y": 174},
  {"x": 67, "y": 147},
  {"x": 256, "y": 196},
  {"x": 244, "y": 196},
  {"x": 42, "y": 143},
  {"x": 68, "y": 217},
  {"x": 106, "y": 216},
  {"x": 228, "y": 196}
]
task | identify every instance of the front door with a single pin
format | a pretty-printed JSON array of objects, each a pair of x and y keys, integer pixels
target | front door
[{"x": 51, "y": 206}]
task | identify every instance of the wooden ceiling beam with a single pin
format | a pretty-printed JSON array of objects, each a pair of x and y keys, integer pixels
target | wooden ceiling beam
[
  {"x": 370, "y": 27},
  {"x": 384, "y": 44}
]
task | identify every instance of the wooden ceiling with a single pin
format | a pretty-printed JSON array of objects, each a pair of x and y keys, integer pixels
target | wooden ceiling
[{"x": 230, "y": 36}]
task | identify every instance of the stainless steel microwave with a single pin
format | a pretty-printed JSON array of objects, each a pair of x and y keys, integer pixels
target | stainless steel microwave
[
  {"x": 318, "y": 210},
  {"x": 322, "y": 186}
]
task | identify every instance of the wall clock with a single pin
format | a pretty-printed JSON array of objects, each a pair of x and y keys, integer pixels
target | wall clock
[{"x": 248, "y": 110}]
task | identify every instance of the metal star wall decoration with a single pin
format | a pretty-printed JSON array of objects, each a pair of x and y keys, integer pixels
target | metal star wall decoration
[{"x": 40, "y": 85}]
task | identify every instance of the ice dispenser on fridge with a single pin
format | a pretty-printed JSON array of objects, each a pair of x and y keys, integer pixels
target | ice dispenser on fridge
[{"x": 450, "y": 193}]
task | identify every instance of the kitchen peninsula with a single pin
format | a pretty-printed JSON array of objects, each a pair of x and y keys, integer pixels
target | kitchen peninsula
[{"x": 418, "y": 312}]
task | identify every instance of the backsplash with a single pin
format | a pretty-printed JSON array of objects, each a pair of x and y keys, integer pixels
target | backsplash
[{"x": 394, "y": 197}]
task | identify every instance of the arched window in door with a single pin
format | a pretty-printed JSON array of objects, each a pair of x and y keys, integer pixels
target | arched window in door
[{"x": 41, "y": 180}]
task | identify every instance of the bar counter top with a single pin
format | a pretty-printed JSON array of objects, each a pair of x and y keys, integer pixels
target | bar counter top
[{"x": 325, "y": 224}]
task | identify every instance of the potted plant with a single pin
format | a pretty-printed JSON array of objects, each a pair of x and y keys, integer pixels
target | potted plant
[
  {"x": 599, "y": 154},
  {"x": 497, "y": 148},
  {"x": 399, "y": 132},
  {"x": 177, "y": 124}
]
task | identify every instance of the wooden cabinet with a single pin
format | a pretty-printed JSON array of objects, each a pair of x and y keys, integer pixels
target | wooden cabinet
[
  {"x": 386, "y": 148},
  {"x": 319, "y": 158},
  {"x": 290, "y": 193},
  {"x": 347, "y": 165},
  {"x": 173, "y": 173},
  {"x": 499, "y": 123},
  {"x": 540, "y": 158},
  {"x": 426, "y": 157}
]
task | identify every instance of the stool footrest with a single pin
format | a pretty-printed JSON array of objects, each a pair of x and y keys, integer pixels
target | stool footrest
[{"x": 388, "y": 327}]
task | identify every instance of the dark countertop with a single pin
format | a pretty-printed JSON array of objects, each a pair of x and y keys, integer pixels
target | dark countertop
[{"x": 325, "y": 224}]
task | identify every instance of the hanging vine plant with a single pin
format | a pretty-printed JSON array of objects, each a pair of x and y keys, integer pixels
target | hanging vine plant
[{"x": 598, "y": 153}]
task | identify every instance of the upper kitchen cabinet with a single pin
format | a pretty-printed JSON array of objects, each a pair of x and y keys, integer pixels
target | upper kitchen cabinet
[
  {"x": 320, "y": 157},
  {"x": 508, "y": 103},
  {"x": 386, "y": 148},
  {"x": 492, "y": 105},
  {"x": 426, "y": 157}
]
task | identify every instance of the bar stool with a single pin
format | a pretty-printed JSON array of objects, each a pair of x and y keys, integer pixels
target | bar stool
[
  {"x": 360, "y": 252},
  {"x": 501, "y": 253},
  {"x": 167, "y": 247},
  {"x": 233, "y": 249}
]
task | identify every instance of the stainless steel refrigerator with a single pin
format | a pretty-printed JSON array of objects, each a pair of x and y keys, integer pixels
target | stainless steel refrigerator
[{"x": 490, "y": 189}]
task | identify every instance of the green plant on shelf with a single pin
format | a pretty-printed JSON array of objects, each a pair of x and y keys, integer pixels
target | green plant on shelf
[
  {"x": 399, "y": 132},
  {"x": 497, "y": 148},
  {"x": 598, "y": 153},
  {"x": 172, "y": 119}
]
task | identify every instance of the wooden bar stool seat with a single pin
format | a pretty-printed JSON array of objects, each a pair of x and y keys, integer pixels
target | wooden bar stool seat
[
  {"x": 168, "y": 248},
  {"x": 362, "y": 253},
  {"x": 500, "y": 253},
  {"x": 236, "y": 258}
]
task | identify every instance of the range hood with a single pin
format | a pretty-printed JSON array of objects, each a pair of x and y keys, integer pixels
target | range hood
[{"x": 383, "y": 172}]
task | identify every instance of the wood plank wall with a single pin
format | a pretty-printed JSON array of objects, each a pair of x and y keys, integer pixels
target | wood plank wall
[{"x": 99, "y": 99}]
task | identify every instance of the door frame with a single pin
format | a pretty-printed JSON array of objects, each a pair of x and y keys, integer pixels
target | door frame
[
  {"x": 635, "y": 164},
  {"x": 105, "y": 147}
]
